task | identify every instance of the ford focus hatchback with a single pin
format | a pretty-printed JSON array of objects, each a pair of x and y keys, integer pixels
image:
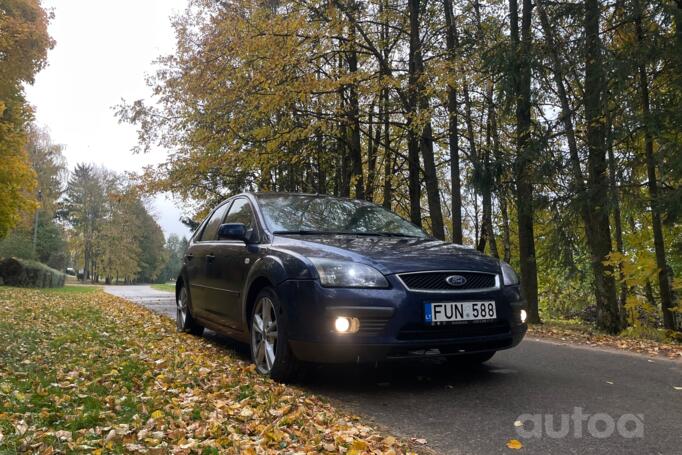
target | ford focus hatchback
[{"x": 313, "y": 278}]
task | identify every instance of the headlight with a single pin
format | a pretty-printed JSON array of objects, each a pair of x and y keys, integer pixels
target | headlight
[
  {"x": 509, "y": 277},
  {"x": 347, "y": 274}
]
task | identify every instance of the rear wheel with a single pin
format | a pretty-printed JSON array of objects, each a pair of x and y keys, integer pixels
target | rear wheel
[
  {"x": 183, "y": 319},
  {"x": 270, "y": 349}
]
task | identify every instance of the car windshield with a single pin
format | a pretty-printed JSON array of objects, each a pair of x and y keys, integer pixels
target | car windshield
[{"x": 299, "y": 214}]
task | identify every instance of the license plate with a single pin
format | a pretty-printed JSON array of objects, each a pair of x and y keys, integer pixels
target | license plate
[{"x": 435, "y": 312}]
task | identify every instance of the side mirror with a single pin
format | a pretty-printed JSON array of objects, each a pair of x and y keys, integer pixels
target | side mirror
[{"x": 232, "y": 231}]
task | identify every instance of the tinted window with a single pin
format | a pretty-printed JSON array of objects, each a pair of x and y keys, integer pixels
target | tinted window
[
  {"x": 324, "y": 214},
  {"x": 211, "y": 229},
  {"x": 240, "y": 213}
]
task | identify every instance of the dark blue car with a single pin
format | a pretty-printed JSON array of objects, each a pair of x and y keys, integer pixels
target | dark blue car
[{"x": 314, "y": 278}]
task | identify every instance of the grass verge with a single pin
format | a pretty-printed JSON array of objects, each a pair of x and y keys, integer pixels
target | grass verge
[
  {"x": 83, "y": 371},
  {"x": 167, "y": 287}
]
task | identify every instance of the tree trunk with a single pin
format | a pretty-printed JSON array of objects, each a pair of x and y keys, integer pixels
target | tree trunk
[
  {"x": 506, "y": 236},
  {"x": 521, "y": 48},
  {"x": 388, "y": 157},
  {"x": 354, "y": 145},
  {"x": 414, "y": 188},
  {"x": 566, "y": 112},
  {"x": 426, "y": 135},
  {"x": 678, "y": 26},
  {"x": 656, "y": 224},
  {"x": 373, "y": 138},
  {"x": 617, "y": 222},
  {"x": 489, "y": 170},
  {"x": 597, "y": 199},
  {"x": 451, "y": 44}
]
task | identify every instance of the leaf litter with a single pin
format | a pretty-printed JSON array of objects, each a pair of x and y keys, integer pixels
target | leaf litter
[{"x": 94, "y": 373}]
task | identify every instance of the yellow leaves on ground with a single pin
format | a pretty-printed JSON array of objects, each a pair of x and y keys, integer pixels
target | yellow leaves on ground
[
  {"x": 93, "y": 373},
  {"x": 514, "y": 444},
  {"x": 592, "y": 338}
]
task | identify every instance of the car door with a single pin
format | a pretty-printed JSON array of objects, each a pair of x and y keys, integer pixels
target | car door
[
  {"x": 233, "y": 261},
  {"x": 199, "y": 259}
]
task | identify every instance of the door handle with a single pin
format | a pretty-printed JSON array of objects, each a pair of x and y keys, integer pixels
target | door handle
[
  {"x": 210, "y": 257},
  {"x": 189, "y": 257}
]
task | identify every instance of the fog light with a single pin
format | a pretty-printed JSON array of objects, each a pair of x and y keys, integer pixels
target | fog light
[
  {"x": 343, "y": 324},
  {"x": 523, "y": 315}
]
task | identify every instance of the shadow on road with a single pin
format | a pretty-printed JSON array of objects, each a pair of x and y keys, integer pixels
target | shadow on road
[{"x": 403, "y": 375}]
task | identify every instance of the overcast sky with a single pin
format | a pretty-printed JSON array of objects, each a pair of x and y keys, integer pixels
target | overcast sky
[{"x": 104, "y": 50}]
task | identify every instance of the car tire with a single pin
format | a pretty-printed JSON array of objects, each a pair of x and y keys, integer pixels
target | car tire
[
  {"x": 470, "y": 359},
  {"x": 183, "y": 316},
  {"x": 270, "y": 349}
]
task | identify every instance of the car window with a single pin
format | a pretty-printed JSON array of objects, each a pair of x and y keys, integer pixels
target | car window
[
  {"x": 240, "y": 213},
  {"x": 211, "y": 229},
  {"x": 324, "y": 214}
]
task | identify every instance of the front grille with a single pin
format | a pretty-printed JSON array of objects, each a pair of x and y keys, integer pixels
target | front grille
[
  {"x": 372, "y": 326},
  {"x": 436, "y": 281},
  {"x": 412, "y": 332}
]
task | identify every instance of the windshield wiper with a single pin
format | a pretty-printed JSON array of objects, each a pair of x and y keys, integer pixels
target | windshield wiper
[
  {"x": 364, "y": 234},
  {"x": 389, "y": 234},
  {"x": 302, "y": 232}
]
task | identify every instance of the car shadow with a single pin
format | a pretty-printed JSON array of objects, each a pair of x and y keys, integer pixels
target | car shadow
[
  {"x": 239, "y": 349},
  {"x": 411, "y": 375}
]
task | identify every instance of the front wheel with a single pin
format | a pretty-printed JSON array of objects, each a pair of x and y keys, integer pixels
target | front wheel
[
  {"x": 183, "y": 316},
  {"x": 270, "y": 349}
]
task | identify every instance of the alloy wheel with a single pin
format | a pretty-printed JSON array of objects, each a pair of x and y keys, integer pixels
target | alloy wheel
[
  {"x": 181, "y": 303},
  {"x": 264, "y": 335}
]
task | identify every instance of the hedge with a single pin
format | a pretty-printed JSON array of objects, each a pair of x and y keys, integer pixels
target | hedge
[{"x": 30, "y": 274}]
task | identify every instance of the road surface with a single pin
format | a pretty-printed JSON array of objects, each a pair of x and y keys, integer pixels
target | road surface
[{"x": 473, "y": 411}]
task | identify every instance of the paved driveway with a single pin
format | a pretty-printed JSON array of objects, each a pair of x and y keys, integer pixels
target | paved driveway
[{"x": 473, "y": 411}]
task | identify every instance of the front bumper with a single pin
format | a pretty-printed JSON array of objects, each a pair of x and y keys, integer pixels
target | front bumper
[{"x": 391, "y": 323}]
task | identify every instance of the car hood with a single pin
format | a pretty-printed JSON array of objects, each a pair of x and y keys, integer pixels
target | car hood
[{"x": 390, "y": 254}]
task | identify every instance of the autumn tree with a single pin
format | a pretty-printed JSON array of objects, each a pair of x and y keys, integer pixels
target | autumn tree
[
  {"x": 24, "y": 43},
  {"x": 517, "y": 128}
]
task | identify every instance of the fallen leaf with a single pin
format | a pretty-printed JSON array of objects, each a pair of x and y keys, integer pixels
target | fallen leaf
[
  {"x": 20, "y": 427},
  {"x": 63, "y": 435},
  {"x": 514, "y": 444},
  {"x": 186, "y": 395}
]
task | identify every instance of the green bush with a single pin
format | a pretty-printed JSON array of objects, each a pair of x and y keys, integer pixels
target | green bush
[
  {"x": 17, "y": 244},
  {"x": 25, "y": 273}
]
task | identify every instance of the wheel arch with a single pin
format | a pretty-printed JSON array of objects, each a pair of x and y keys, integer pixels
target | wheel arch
[{"x": 268, "y": 271}]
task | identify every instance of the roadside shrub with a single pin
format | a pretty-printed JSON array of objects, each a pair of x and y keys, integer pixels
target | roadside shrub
[
  {"x": 24, "y": 273},
  {"x": 565, "y": 297},
  {"x": 17, "y": 244}
]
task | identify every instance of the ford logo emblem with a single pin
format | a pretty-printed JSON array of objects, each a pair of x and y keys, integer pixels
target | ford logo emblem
[{"x": 456, "y": 280}]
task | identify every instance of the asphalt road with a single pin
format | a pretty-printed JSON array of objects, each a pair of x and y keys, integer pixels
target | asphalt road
[{"x": 473, "y": 411}]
